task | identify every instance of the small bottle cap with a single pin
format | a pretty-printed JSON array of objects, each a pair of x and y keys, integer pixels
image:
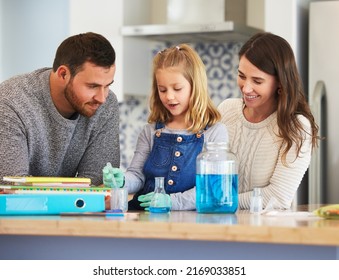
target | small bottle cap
[{"x": 256, "y": 192}]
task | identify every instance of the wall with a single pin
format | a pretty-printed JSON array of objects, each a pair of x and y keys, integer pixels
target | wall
[
  {"x": 104, "y": 17},
  {"x": 26, "y": 42},
  {"x": 288, "y": 19},
  {"x": 255, "y": 13}
]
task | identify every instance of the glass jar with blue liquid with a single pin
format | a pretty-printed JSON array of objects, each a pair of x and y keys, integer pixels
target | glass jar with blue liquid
[{"x": 216, "y": 179}]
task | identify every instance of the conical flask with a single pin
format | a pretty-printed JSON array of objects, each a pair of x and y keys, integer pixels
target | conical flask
[{"x": 161, "y": 202}]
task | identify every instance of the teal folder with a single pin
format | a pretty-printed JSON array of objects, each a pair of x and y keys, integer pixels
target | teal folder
[{"x": 50, "y": 204}]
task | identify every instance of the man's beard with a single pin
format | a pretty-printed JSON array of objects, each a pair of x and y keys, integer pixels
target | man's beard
[{"x": 76, "y": 104}]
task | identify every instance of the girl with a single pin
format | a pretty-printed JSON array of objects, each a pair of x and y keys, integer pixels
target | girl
[{"x": 182, "y": 117}]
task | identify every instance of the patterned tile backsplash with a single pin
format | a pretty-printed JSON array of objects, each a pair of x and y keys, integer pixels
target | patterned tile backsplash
[{"x": 221, "y": 61}]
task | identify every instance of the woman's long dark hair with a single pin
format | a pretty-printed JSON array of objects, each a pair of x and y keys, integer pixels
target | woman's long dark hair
[{"x": 273, "y": 55}]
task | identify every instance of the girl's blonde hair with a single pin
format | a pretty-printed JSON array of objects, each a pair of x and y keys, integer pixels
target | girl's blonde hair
[{"x": 201, "y": 112}]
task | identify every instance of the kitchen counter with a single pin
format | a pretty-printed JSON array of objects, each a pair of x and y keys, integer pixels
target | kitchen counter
[{"x": 181, "y": 234}]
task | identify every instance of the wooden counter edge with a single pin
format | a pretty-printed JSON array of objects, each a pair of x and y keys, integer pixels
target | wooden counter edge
[{"x": 165, "y": 230}]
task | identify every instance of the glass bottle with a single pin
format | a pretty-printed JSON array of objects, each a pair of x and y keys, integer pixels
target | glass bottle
[
  {"x": 161, "y": 202},
  {"x": 256, "y": 201},
  {"x": 119, "y": 196},
  {"x": 216, "y": 179},
  {"x": 119, "y": 199}
]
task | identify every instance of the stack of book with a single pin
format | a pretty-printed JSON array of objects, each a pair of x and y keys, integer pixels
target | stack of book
[
  {"x": 50, "y": 195},
  {"x": 72, "y": 182},
  {"x": 33, "y": 184}
]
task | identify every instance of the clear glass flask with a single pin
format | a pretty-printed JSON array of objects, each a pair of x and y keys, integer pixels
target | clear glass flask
[
  {"x": 119, "y": 196},
  {"x": 119, "y": 199},
  {"x": 161, "y": 202},
  {"x": 256, "y": 201},
  {"x": 216, "y": 179}
]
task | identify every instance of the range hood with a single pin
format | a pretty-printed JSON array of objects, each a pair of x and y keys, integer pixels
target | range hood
[{"x": 227, "y": 31}]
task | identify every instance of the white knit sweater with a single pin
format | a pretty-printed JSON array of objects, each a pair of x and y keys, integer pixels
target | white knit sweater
[{"x": 258, "y": 150}]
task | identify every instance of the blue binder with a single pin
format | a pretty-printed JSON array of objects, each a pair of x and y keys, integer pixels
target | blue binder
[{"x": 50, "y": 204}]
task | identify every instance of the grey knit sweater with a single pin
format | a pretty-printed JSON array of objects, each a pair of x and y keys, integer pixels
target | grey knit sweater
[{"x": 36, "y": 140}]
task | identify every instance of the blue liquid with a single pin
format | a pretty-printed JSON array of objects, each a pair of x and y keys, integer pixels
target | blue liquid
[
  {"x": 159, "y": 209},
  {"x": 216, "y": 193}
]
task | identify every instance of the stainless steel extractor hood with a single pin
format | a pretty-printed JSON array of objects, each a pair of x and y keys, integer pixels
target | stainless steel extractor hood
[{"x": 226, "y": 31}]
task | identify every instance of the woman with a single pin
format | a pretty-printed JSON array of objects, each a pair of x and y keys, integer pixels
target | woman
[{"x": 271, "y": 128}]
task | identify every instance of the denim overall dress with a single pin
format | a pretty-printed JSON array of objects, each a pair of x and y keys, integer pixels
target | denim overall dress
[{"x": 173, "y": 157}]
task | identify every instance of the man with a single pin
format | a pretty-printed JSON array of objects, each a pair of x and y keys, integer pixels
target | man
[{"x": 62, "y": 121}]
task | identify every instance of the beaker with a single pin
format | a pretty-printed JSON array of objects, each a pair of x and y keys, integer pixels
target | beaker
[
  {"x": 119, "y": 199},
  {"x": 161, "y": 202}
]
